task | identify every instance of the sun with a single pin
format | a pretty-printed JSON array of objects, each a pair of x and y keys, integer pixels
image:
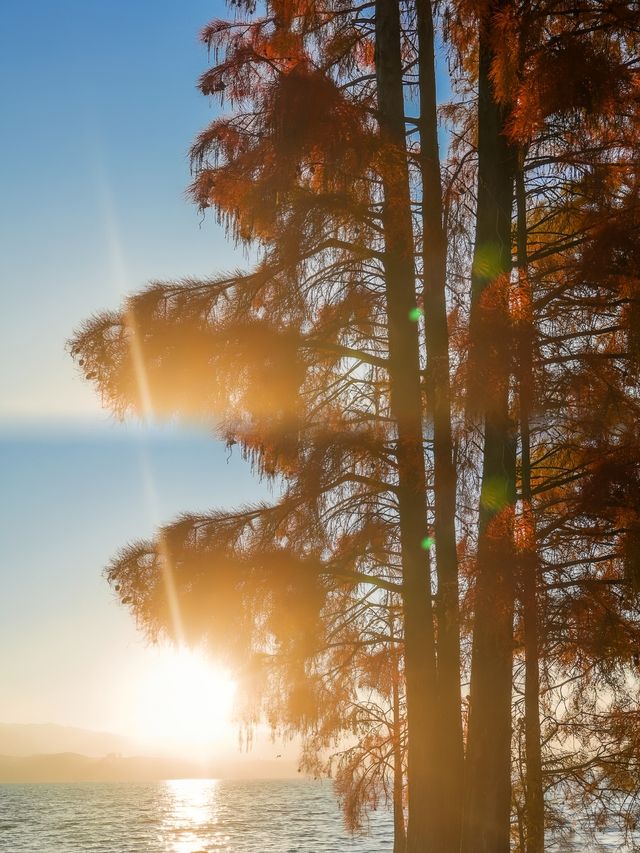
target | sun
[{"x": 185, "y": 702}]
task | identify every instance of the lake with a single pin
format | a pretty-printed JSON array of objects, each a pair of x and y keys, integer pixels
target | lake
[
  {"x": 197, "y": 816},
  {"x": 181, "y": 816}
]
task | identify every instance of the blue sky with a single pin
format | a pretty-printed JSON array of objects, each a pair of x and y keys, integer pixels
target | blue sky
[
  {"x": 70, "y": 653},
  {"x": 99, "y": 109}
]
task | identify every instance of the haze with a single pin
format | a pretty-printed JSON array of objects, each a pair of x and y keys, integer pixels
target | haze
[{"x": 89, "y": 223}]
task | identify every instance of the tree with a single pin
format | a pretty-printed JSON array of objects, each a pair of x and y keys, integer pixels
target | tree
[
  {"x": 545, "y": 70},
  {"x": 320, "y": 340},
  {"x": 560, "y": 131},
  {"x": 439, "y": 408},
  {"x": 488, "y": 755},
  {"x": 404, "y": 515}
]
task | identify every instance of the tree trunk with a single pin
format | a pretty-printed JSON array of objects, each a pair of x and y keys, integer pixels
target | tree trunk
[
  {"x": 450, "y": 739},
  {"x": 406, "y": 407},
  {"x": 534, "y": 795},
  {"x": 399, "y": 830},
  {"x": 488, "y": 759}
]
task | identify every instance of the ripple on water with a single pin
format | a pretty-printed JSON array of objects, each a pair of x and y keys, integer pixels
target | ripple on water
[{"x": 181, "y": 816}]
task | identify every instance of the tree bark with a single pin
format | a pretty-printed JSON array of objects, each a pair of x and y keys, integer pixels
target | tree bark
[
  {"x": 534, "y": 794},
  {"x": 434, "y": 257},
  {"x": 406, "y": 407},
  {"x": 399, "y": 829},
  {"x": 488, "y": 758}
]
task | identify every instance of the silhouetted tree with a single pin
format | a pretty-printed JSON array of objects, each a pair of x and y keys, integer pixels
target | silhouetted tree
[
  {"x": 475, "y": 475},
  {"x": 321, "y": 338}
]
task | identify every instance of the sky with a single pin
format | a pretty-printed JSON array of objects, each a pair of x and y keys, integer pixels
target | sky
[{"x": 99, "y": 109}]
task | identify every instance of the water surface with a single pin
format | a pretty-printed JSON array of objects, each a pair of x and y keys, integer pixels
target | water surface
[{"x": 181, "y": 816}]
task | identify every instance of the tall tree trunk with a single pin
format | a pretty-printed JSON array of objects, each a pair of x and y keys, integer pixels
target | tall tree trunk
[
  {"x": 434, "y": 257},
  {"x": 534, "y": 795},
  {"x": 406, "y": 406},
  {"x": 399, "y": 829},
  {"x": 488, "y": 759}
]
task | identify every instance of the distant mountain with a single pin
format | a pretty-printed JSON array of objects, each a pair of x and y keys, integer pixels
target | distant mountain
[
  {"x": 70, "y": 767},
  {"x": 50, "y": 753},
  {"x": 37, "y": 739}
]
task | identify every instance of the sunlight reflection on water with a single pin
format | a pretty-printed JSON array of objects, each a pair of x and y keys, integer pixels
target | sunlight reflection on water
[
  {"x": 197, "y": 816},
  {"x": 193, "y": 799},
  {"x": 192, "y": 808},
  {"x": 182, "y": 816}
]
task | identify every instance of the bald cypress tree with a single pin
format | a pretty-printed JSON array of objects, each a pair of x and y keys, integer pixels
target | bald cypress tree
[
  {"x": 386, "y": 280},
  {"x": 320, "y": 340}
]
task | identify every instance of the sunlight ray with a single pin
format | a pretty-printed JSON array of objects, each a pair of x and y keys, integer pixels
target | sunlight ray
[
  {"x": 116, "y": 255},
  {"x": 166, "y": 566}
]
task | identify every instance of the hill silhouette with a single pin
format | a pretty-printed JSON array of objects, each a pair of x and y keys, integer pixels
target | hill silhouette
[
  {"x": 41, "y": 738},
  {"x": 72, "y": 767}
]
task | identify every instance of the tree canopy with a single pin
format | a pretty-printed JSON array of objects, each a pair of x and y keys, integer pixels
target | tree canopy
[{"x": 435, "y": 361}]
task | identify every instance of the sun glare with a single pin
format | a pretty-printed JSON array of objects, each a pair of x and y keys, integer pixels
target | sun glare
[{"x": 185, "y": 701}]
